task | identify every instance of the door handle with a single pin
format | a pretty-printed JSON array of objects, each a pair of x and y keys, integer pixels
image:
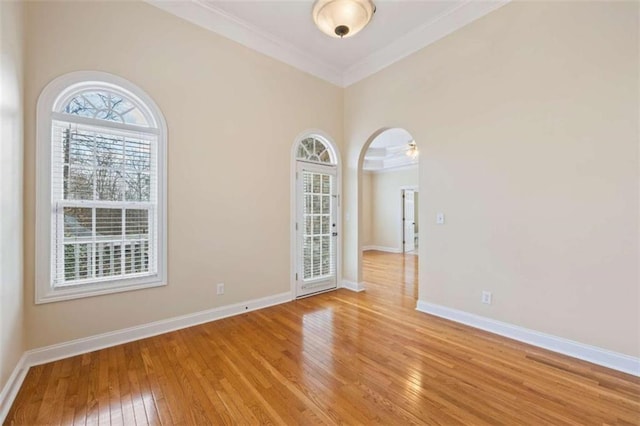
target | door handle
[{"x": 334, "y": 234}]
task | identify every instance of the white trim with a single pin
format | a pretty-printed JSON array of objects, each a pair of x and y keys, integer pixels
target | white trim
[
  {"x": 99, "y": 288},
  {"x": 419, "y": 38},
  {"x": 395, "y": 163},
  {"x": 404, "y": 188},
  {"x": 392, "y": 168},
  {"x": 50, "y": 98},
  {"x": 415, "y": 188},
  {"x": 206, "y": 15},
  {"x": 350, "y": 285},
  {"x": 382, "y": 248},
  {"x": 327, "y": 290},
  {"x": 314, "y": 285},
  {"x": 94, "y": 122},
  {"x": 593, "y": 354},
  {"x": 11, "y": 388},
  {"x": 118, "y": 337}
]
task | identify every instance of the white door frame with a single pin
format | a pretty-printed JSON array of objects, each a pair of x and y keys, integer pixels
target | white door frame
[
  {"x": 402, "y": 189},
  {"x": 294, "y": 206}
]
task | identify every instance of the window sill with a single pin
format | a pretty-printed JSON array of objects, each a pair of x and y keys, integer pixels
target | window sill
[{"x": 98, "y": 289}]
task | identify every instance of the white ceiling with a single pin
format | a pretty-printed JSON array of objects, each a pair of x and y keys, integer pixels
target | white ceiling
[
  {"x": 292, "y": 21},
  {"x": 391, "y": 138},
  {"x": 389, "y": 150},
  {"x": 285, "y": 30}
]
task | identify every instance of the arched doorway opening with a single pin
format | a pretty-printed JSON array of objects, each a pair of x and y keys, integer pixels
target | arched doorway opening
[{"x": 389, "y": 229}]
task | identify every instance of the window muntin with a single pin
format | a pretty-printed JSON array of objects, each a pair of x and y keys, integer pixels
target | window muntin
[
  {"x": 318, "y": 242},
  {"x": 105, "y": 105},
  {"x": 314, "y": 150}
]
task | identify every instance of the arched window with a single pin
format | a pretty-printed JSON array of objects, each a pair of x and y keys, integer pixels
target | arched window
[
  {"x": 315, "y": 150},
  {"x": 101, "y": 209}
]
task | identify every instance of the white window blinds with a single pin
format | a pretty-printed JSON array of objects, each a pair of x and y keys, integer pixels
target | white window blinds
[
  {"x": 319, "y": 246},
  {"x": 104, "y": 201}
]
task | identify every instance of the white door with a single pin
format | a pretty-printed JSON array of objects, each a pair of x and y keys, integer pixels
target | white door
[
  {"x": 409, "y": 222},
  {"x": 317, "y": 232}
]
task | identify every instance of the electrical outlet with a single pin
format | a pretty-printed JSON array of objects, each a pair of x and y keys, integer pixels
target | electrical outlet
[
  {"x": 486, "y": 297},
  {"x": 220, "y": 288}
]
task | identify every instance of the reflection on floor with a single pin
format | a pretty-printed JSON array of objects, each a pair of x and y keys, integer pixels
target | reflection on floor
[
  {"x": 391, "y": 274},
  {"x": 339, "y": 357}
]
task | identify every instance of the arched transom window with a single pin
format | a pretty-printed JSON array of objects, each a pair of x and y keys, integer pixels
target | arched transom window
[
  {"x": 106, "y": 183},
  {"x": 104, "y": 104},
  {"x": 315, "y": 150}
]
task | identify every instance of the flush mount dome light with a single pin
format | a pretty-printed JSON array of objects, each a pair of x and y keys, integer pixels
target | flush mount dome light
[{"x": 342, "y": 18}]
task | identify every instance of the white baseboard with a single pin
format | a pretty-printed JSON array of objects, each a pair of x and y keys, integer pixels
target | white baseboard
[
  {"x": 89, "y": 344},
  {"x": 350, "y": 285},
  {"x": 599, "y": 356},
  {"x": 382, "y": 248},
  {"x": 11, "y": 388},
  {"x": 105, "y": 340}
]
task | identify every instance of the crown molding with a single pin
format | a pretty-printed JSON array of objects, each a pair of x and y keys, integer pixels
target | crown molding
[
  {"x": 420, "y": 37},
  {"x": 392, "y": 168},
  {"x": 217, "y": 20},
  {"x": 214, "y": 19}
]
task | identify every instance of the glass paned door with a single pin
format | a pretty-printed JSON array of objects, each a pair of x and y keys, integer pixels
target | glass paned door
[{"x": 316, "y": 229}]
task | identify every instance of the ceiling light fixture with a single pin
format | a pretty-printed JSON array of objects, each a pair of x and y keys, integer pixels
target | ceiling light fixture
[
  {"x": 342, "y": 18},
  {"x": 412, "y": 151}
]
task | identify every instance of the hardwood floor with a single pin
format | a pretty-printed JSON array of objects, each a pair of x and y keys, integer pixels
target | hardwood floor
[{"x": 339, "y": 357}]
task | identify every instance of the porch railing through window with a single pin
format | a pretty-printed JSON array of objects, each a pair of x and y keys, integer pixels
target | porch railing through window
[{"x": 102, "y": 243}]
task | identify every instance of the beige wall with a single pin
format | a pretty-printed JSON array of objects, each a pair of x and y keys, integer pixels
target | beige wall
[
  {"x": 383, "y": 203},
  {"x": 367, "y": 209},
  {"x": 232, "y": 114},
  {"x": 528, "y": 128},
  {"x": 11, "y": 195}
]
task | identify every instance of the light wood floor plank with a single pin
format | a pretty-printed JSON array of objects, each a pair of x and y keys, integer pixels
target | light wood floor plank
[{"x": 335, "y": 358}]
